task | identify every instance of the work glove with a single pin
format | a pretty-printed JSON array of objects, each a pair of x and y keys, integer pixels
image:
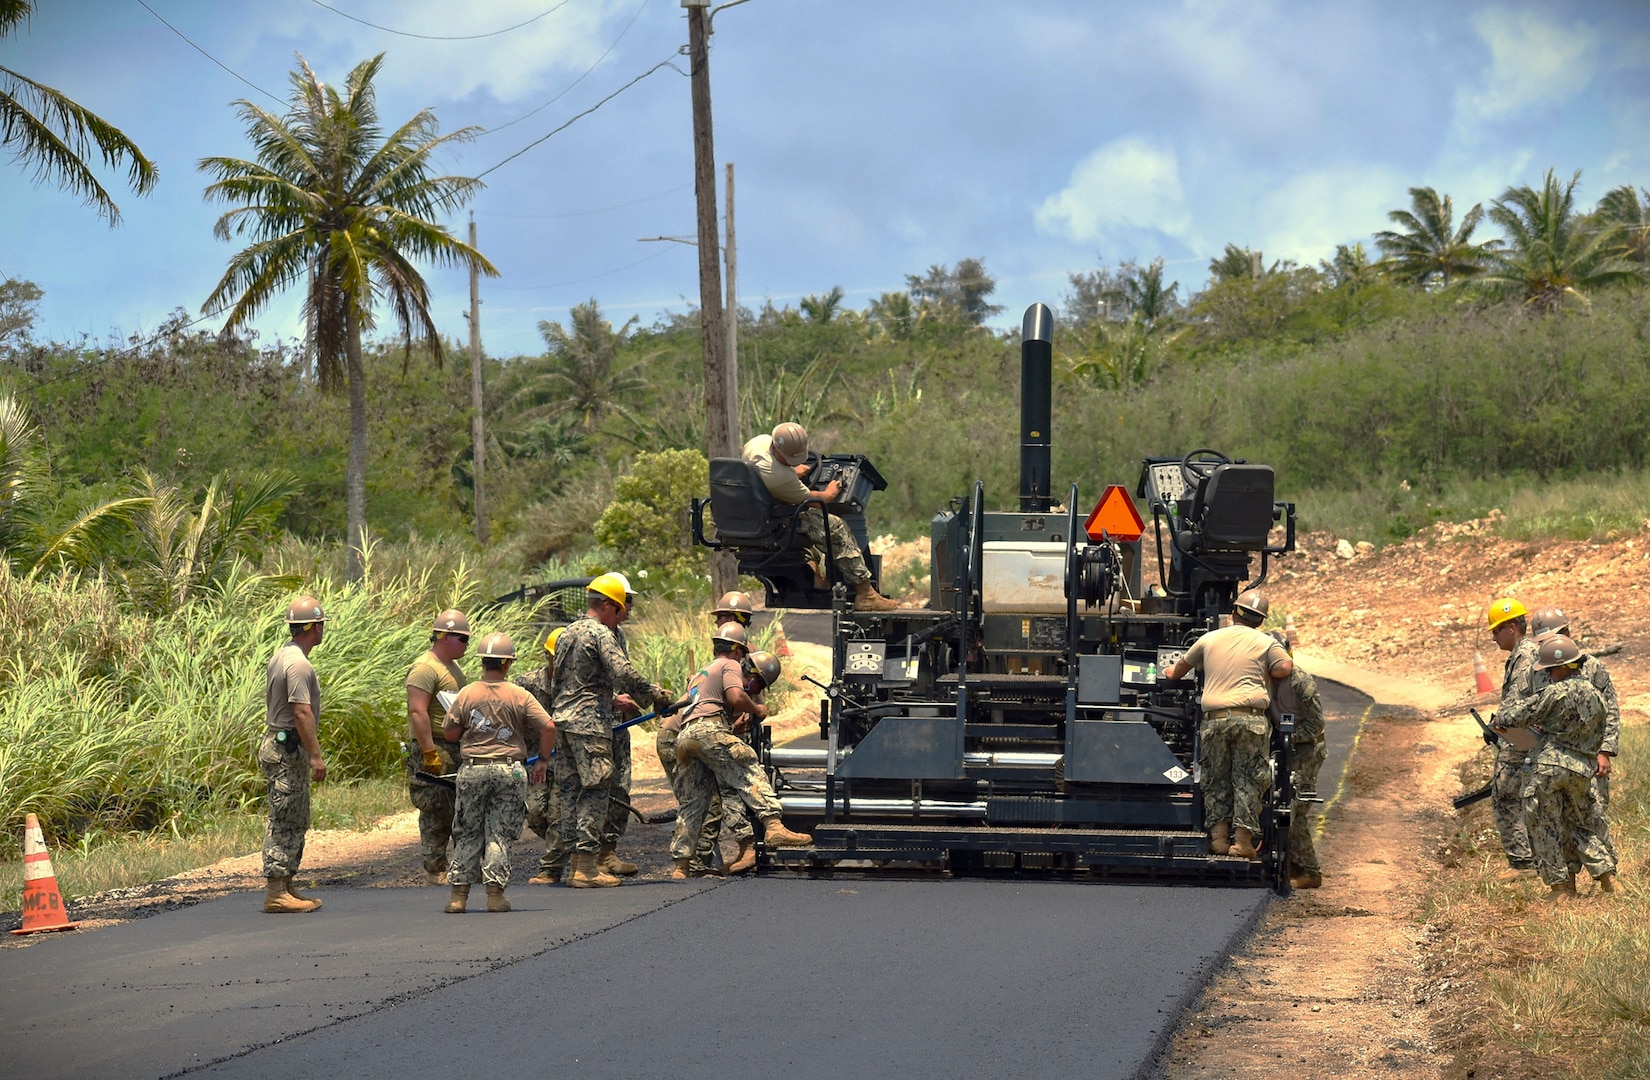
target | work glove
[
  {"x": 662, "y": 701},
  {"x": 432, "y": 761}
]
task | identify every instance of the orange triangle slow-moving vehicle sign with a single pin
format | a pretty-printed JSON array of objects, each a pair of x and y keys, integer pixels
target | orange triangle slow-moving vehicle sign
[{"x": 1115, "y": 516}]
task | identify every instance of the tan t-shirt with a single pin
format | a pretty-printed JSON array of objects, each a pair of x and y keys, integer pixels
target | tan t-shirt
[
  {"x": 495, "y": 718},
  {"x": 432, "y": 674},
  {"x": 290, "y": 680},
  {"x": 1237, "y": 663},
  {"x": 779, "y": 478},
  {"x": 721, "y": 675}
]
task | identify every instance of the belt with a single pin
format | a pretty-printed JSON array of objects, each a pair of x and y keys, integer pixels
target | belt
[
  {"x": 487, "y": 761},
  {"x": 1222, "y": 714}
]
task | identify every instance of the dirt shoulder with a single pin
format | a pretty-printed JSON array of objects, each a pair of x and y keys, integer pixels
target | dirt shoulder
[{"x": 1352, "y": 980}]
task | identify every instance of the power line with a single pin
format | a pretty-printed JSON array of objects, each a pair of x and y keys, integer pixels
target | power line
[
  {"x": 441, "y": 37},
  {"x": 169, "y": 331},
  {"x": 581, "y": 281},
  {"x": 209, "y": 56},
  {"x": 587, "y": 213},
  {"x": 578, "y": 80},
  {"x": 668, "y": 63}
]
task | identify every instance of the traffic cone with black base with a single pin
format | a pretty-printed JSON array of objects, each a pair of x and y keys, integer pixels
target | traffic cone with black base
[{"x": 42, "y": 902}]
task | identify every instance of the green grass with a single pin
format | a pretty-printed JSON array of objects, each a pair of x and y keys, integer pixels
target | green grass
[{"x": 102, "y": 860}]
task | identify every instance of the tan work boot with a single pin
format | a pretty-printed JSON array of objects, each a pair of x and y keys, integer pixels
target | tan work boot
[
  {"x": 681, "y": 871},
  {"x": 1306, "y": 879},
  {"x": 610, "y": 862},
  {"x": 1607, "y": 882},
  {"x": 290, "y": 891},
  {"x": 547, "y": 877},
  {"x": 1516, "y": 873},
  {"x": 587, "y": 875},
  {"x": 1564, "y": 890},
  {"x": 1220, "y": 838},
  {"x": 460, "y": 897},
  {"x": 495, "y": 899},
  {"x": 746, "y": 860},
  {"x": 866, "y": 598},
  {"x": 1243, "y": 846},
  {"x": 435, "y": 877},
  {"x": 774, "y": 834},
  {"x": 277, "y": 901}
]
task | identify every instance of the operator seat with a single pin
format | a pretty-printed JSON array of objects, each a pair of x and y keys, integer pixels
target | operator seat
[{"x": 1232, "y": 510}]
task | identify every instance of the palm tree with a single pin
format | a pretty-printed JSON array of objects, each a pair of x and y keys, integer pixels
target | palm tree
[
  {"x": 894, "y": 315},
  {"x": 29, "y": 541},
  {"x": 1622, "y": 207},
  {"x": 1350, "y": 268},
  {"x": 1551, "y": 254},
  {"x": 332, "y": 201},
  {"x": 582, "y": 376},
  {"x": 190, "y": 547},
  {"x": 52, "y": 136},
  {"x": 822, "y": 309},
  {"x": 1147, "y": 296},
  {"x": 1430, "y": 247}
]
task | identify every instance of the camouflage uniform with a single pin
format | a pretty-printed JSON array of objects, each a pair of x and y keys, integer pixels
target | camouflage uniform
[
  {"x": 591, "y": 667},
  {"x": 1593, "y": 670},
  {"x": 1564, "y": 819},
  {"x": 726, "y": 812},
  {"x": 1511, "y": 766},
  {"x": 720, "y": 759},
  {"x": 1298, "y": 696},
  {"x": 286, "y": 772},
  {"x": 1236, "y": 769},
  {"x": 434, "y": 802},
  {"x": 543, "y": 804},
  {"x": 786, "y": 487},
  {"x": 492, "y": 806}
]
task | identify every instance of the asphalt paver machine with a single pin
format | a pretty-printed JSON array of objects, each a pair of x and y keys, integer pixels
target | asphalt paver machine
[{"x": 1020, "y": 722}]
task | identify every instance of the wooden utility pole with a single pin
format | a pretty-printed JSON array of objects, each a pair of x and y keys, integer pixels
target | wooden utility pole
[
  {"x": 719, "y": 432},
  {"x": 733, "y": 321},
  {"x": 478, "y": 432}
]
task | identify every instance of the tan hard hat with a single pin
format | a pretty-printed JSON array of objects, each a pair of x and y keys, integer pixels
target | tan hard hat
[
  {"x": 451, "y": 621},
  {"x": 1549, "y": 618},
  {"x": 735, "y": 605},
  {"x": 765, "y": 665},
  {"x": 1253, "y": 603},
  {"x": 1557, "y": 651},
  {"x": 790, "y": 443},
  {"x": 733, "y": 634},
  {"x": 305, "y": 609},
  {"x": 498, "y": 647}
]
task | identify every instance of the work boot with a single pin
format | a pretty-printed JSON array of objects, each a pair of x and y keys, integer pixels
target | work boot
[
  {"x": 495, "y": 899},
  {"x": 550, "y": 876},
  {"x": 435, "y": 877},
  {"x": 683, "y": 870},
  {"x": 1306, "y": 879},
  {"x": 1220, "y": 838},
  {"x": 290, "y": 891},
  {"x": 609, "y": 861},
  {"x": 1607, "y": 882},
  {"x": 460, "y": 897},
  {"x": 587, "y": 875},
  {"x": 1564, "y": 890},
  {"x": 277, "y": 901},
  {"x": 1244, "y": 845},
  {"x": 747, "y": 857},
  {"x": 1516, "y": 871},
  {"x": 774, "y": 834},
  {"x": 866, "y": 598}
]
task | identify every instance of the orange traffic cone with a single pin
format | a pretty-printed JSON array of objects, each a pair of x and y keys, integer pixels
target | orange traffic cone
[
  {"x": 42, "y": 903},
  {"x": 781, "y": 647},
  {"x": 1480, "y": 674}
]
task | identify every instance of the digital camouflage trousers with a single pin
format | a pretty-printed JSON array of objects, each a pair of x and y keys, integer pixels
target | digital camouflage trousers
[
  {"x": 1236, "y": 770},
  {"x": 1507, "y": 802},
  {"x": 286, "y": 778},
  {"x": 725, "y": 813},
  {"x": 435, "y": 805},
  {"x": 710, "y": 759},
  {"x": 1567, "y": 827},
  {"x": 491, "y": 809},
  {"x": 1307, "y": 760}
]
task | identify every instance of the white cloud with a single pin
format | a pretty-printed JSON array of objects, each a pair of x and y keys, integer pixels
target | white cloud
[
  {"x": 1534, "y": 61},
  {"x": 1130, "y": 183},
  {"x": 1306, "y": 216}
]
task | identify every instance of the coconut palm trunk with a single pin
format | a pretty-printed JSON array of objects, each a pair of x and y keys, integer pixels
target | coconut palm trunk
[{"x": 355, "y": 472}]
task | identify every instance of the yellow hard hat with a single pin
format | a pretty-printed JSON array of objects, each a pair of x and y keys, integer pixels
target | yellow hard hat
[
  {"x": 616, "y": 587},
  {"x": 550, "y": 642},
  {"x": 1503, "y": 609}
]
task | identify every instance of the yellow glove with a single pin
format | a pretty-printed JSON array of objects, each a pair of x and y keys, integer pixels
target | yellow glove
[{"x": 432, "y": 761}]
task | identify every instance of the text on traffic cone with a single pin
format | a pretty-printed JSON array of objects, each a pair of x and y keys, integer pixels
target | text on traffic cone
[{"x": 42, "y": 904}]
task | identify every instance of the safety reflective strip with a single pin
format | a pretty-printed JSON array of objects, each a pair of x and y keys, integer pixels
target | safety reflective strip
[{"x": 37, "y": 866}]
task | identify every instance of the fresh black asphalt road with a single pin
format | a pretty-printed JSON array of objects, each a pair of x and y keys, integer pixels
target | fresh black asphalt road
[{"x": 772, "y": 977}]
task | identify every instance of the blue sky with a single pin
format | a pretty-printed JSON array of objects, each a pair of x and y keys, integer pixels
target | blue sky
[{"x": 870, "y": 139}]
